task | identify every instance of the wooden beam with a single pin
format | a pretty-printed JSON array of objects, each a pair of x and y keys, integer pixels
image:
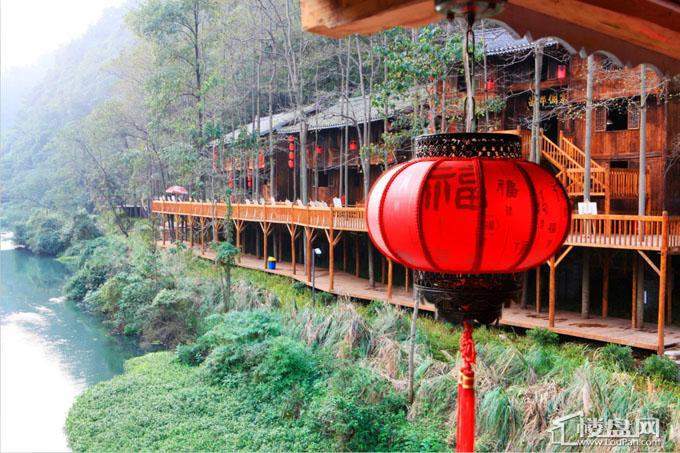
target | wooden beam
[
  {"x": 662, "y": 285},
  {"x": 551, "y": 292},
  {"x": 635, "y": 31},
  {"x": 633, "y": 310},
  {"x": 650, "y": 262},
  {"x": 356, "y": 256},
  {"x": 332, "y": 242},
  {"x": 389, "y": 278},
  {"x": 563, "y": 255},
  {"x": 538, "y": 289},
  {"x": 605, "y": 283}
]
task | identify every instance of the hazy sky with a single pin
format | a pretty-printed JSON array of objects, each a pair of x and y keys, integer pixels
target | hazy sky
[{"x": 30, "y": 29}]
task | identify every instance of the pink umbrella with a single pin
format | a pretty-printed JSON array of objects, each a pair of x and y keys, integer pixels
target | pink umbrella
[{"x": 177, "y": 190}]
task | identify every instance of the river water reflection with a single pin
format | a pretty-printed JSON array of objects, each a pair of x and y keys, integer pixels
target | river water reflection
[{"x": 49, "y": 351}]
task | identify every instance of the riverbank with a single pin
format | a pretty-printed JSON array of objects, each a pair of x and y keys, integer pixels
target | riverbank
[{"x": 270, "y": 369}]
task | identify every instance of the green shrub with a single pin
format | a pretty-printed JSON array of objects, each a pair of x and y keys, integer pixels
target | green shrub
[
  {"x": 543, "y": 337},
  {"x": 360, "y": 411},
  {"x": 233, "y": 329},
  {"x": 287, "y": 363},
  {"x": 83, "y": 228},
  {"x": 171, "y": 318},
  {"x": 660, "y": 367},
  {"x": 325, "y": 298},
  {"x": 88, "y": 278},
  {"x": 617, "y": 358},
  {"x": 300, "y": 286}
]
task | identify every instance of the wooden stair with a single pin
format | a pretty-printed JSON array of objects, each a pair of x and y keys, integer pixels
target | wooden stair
[{"x": 569, "y": 160}]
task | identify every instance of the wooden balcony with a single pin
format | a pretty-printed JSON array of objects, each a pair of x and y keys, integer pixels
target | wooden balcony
[{"x": 643, "y": 234}]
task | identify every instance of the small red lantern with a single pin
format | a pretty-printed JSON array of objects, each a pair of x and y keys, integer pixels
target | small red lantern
[
  {"x": 291, "y": 164},
  {"x": 561, "y": 72},
  {"x": 353, "y": 145},
  {"x": 319, "y": 149},
  {"x": 490, "y": 85},
  {"x": 291, "y": 143},
  {"x": 260, "y": 159}
]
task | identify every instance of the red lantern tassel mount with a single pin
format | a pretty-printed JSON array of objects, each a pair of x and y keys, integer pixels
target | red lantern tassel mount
[{"x": 465, "y": 416}]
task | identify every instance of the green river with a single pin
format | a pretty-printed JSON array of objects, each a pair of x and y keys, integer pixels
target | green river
[{"x": 50, "y": 351}]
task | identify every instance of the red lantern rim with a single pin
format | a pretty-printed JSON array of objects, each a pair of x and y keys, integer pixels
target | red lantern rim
[{"x": 395, "y": 257}]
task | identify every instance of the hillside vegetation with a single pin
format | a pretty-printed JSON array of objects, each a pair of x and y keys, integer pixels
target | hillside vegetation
[{"x": 271, "y": 370}]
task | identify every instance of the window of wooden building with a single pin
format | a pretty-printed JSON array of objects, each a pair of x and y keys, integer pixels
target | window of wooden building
[
  {"x": 633, "y": 116},
  {"x": 600, "y": 119}
]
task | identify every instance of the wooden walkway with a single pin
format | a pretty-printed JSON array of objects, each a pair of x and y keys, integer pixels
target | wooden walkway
[
  {"x": 611, "y": 330},
  {"x": 345, "y": 284}
]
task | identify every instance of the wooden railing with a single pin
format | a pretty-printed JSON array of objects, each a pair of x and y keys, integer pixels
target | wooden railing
[
  {"x": 602, "y": 230},
  {"x": 576, "y": 153},
  {"x": 345, "y": 218},
  {"x": 598, "y": 184},
  {"x": 623, "y": 183},
  {"x": 623, "y": 231}
]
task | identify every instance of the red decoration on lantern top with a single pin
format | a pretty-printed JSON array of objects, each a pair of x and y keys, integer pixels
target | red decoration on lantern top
[
  {"x": 353, "y": 145},
  {"x": 468, "y": 215},
  {"x": 561, "y": 71}
]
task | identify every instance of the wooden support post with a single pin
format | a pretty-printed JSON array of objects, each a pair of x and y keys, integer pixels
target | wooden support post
[
  {"x": 406, "y": 276},
  {"x": 585, "y": 284},
  {"x": 538, "y": 289},
  {"x": 662, "y": 284},
  {"x": 292, "y": 230},
  {"x": 215, "y": 230},
  {"x": 356, "y": 256},
  {"x": 191, "y": 231},
  {"x": 389, "y": 278},
  {"x": 607, "y": 191},
  {"x": 551, "y": 293},
  {"x": 202, "y": 234},
  {"x": 163, "y": 229},
  {"x": 265, "y": 226},
  {"x": 177, "y": 232},
  {"x": 238, "y": 225},
  {"x": 332, "y": 242},
  {"x": 344, "y": 254},
  {"x": 669, "y": 292},
  {"x": 640, "y": 295},
  {"x": 633, "y": 298},
  {"x": 308, "y": 253},
  {"x": 605, "y": 284}
]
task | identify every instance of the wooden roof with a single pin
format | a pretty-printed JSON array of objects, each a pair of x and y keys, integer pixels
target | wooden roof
[{"x": 632, "y": 31}]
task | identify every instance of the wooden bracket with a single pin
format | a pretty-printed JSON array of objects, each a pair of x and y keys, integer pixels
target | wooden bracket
[
  {"x": 650, "y": 262},
  {"x": 563, "y": 255},
  {"x": 335, "y": 240}
]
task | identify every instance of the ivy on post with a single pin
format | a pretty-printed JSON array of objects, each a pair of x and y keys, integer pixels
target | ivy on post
[{"x": 225, "y": 253}]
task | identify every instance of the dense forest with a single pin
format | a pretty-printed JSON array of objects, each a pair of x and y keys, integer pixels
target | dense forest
[{"x": 132, "y": 106}]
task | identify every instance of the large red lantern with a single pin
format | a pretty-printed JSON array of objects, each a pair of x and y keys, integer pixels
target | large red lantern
[
  {"x": 466, "y": 216},
  {"x": 469, "y": 216}
]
